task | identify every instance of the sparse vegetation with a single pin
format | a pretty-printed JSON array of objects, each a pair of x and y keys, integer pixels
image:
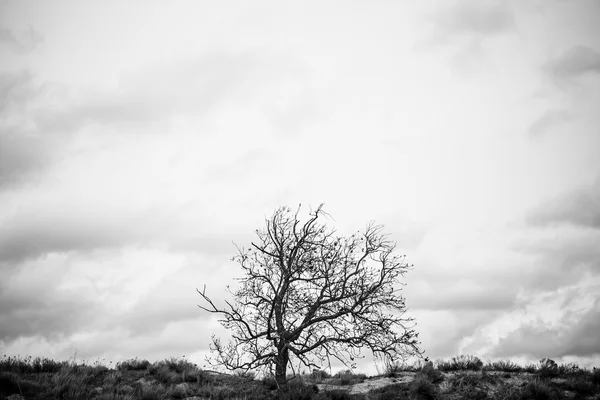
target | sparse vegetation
[
  {"x": 504, "y": 366},
  {"x": 460, "y": 363},
  {"x": 174, "y": 378},
  {"x": 548, "y": 369},
  {"x": 134, "y": 364}
]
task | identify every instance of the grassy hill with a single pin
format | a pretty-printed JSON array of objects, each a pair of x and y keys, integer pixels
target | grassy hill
[{"x": 463, "y": 377}]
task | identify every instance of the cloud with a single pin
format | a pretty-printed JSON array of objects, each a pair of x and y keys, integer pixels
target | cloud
[
  {"x": 254, "y": 161},
  {"x": 27, "y": 142},
  {"x": 468, "y": 25},
  {"x": 577, "y": 61},
  {"x": 572, "y": 334},
  {"x": 580, "y": 207},
  {"x": 463, "y": 294},
  {"x": 557, "y": 257},
  {"x": 23, "y": 43},
  {"x": 34, "y": 232},
  {"x": 550, "y": 119},
  {"x": 40, "y": 120},
  {"x": 456, "y": 324},
  {"x": 481, "y": 18},
  {"x": 33, "y": 301},
  {"x": 165, "y": 90},
  {"x": 580, "y": 339},
  {"x": 58, "y": 224},
  {"x": 557, "y": 323}
]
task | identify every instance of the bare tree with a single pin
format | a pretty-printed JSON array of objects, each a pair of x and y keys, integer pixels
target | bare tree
[{"x": 310, "y": 295}]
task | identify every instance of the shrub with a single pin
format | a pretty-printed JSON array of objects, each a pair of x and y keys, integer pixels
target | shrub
[
  {"x": 431, "y": 374},
  {"x": 245, "y": 375},
  {"x": 270, "y": 383},
  {"x": 464, "y": 380},
  {"x": 462, "y": 362},
  {"x": 9, "y": 383},
  {"x": 504, "y": 366},
  {"x": 46, "y": 365},
  {"x": 531, "y": 368},
  {"x": 398, "y": 391},
  {"x": 296, "y": 390},
  {"x": 507, "y": 392},
  {"x": 547, "y": 369},
  {"x": 165, "y": 375},
  {"x": 112, "y": 378},
  {"x": 337, "y": 395},
  {"x": 539, "y": 390},
  {"x": 347, "y": 377},
  {"x": 578, "y": 385},
  {"x": 422, "y": 388},
  {"x": 393, "y": 369},
  {"x": 570, "y": 369},
  {"x": 179, "y": 366},
  {"x": 133, "y": 364},
  {"x": 596, "y": 376},
  {"x": 71, "y": 383}
]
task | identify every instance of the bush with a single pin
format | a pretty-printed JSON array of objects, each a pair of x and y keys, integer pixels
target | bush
[
  {"x": 71, "y": 383},
  {"x": 461, "y": 363},
  {"x": 30, "y": 365},
  {"x": 422, "y": 388},
  {"x": 506, "y": 392},
  {"x": 179, "y": 366},
  {"x": 398, "y": 391},
  {"x": 596, "y": 376},
  {"x": 531, "y": 368},
  {"x": 9, "y": 383},
  {"x": 578, "y": 385},
  {"x": 347, "y": 377},
  {"x": 462, "y": 381},
  {"x": 547, "y": 369},
  {"x": 570, "y": 369},
  {"x": 504, "y": 366},
  {"x": 393, "y": 369},
  {"x": 133, "y": 364},
  {"x": 296, "y": 390},
  {"x": 539, "y": 390},
  {"x": 337, "y": 395},
  {"x": 431, "y": 374}
]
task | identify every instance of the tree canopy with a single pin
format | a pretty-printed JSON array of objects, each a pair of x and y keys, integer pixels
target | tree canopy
[{"x": 310, "y": 295}]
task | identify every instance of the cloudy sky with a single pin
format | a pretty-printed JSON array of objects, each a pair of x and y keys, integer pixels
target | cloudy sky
[{"x": 138, "y": 140}]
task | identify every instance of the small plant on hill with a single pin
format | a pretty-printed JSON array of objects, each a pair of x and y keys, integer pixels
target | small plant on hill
[
  {"x": 133, "y": 364},
  {"x": 548, "y": 368},
  {"x": 392, "y": 369},
  {"x": 72, "y": 383},
  {"x": 504, "y": 366},
  {"x": 30, "y": 365},
  {"x": 461, "y": 363},
  {"x": 431, "y": 374},
  {"x": 348, "y": 377},
  {"x": 421, "y": 388},
  {"x": 596, "y": 376},
  {"x": 540, "y": 390},
  {"x": 530, "y": 368},
  {"x": 579, "y": 385}
]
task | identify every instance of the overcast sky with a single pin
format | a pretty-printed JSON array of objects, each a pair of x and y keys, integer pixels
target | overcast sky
[{"x": 139, "y": 139}]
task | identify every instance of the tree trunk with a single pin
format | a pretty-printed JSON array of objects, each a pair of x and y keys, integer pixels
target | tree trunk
[{"x": 281, "y": 362}]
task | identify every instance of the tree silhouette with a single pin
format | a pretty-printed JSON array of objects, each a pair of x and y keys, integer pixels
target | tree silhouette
[{"x": 310, "y": 295}]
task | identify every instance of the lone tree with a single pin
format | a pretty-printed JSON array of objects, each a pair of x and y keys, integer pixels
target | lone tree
[{"x": 310, "y": 295}]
